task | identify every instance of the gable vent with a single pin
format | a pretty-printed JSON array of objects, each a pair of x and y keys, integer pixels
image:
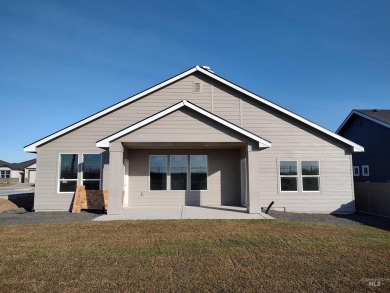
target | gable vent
[{"x": 197, "y": 87}]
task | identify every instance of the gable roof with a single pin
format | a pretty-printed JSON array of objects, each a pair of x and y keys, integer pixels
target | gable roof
[
  {"x": 25, "y": 164},
  {"x": 6, "y": 164},
  {"x": 104, "y": 143},
  {"x": 381, "y": 117},
  {"x": 17, "y": 166},
  {"x": 32, "y": 147}
]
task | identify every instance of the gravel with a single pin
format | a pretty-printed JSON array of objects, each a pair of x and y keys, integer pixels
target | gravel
[
  {"x": 44, "y": 217},
  {"x": 351, "y": 219},
  {"x": 60, "y": 217}
]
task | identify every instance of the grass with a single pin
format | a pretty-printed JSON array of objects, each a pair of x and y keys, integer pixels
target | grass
[{"x": 193, "y": 256}]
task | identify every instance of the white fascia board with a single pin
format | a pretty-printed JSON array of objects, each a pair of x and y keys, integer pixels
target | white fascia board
[
  {"x": 105, "y": 143},
  {"x": 356, "y": 147},
  {"x": 32, "y": 147},
  {"x": 364, "y": 116}
]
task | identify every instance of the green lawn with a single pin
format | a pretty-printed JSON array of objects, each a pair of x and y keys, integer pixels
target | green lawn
[{"x": 197, "y": 256}]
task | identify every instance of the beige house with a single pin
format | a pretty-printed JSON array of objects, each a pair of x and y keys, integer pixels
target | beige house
[
  {"x": 197, "y": 139},
  {"x": 23, "y": 172}
]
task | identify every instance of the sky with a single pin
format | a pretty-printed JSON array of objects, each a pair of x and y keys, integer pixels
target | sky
[{"x": 61, "y": 61}]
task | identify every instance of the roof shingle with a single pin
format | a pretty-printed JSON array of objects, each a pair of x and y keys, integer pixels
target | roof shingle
[
  {"x": 382, "y": 115},
  {"x": 17, "y": 166}
]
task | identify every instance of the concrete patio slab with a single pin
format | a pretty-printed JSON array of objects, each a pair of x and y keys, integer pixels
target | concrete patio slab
[{"x": 182, "y": 212}]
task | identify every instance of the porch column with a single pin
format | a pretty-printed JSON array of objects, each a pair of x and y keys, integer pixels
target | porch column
[
  {"x": 115, "y": 185},
  {"x": 254, "y": 205}
]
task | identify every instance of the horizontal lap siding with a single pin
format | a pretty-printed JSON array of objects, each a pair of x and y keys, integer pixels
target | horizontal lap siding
[
  {"x": 375, "y": 139},
  {"x": 183, "y": 125},
  {"x": 226, "y": 105},
  {"x": 83, "y": 140},
  {"x": 223, "y": 180},
  {"x": 290, "y": 139},
  {"x": 294, "y": 140}
]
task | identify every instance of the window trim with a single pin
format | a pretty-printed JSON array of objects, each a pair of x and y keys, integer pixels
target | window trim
[
  {"x": 166, "y": 174},
  {"x": 292, "y": 176},
  {"x": 207, "y": 173},
  {"x": 59, "y": 173},
  {"x": 299, "y": 176},
  {"x": 311, "y": 176},
  {"x": 82, "y": 169},
  {"x": 366, "y": 174},
  {"x": 356, "y": 168},
  {"x": 5, "y": 174}
]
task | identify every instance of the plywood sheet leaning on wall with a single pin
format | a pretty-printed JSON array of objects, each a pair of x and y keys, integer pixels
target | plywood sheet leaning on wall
[
  {"x": 89, "y": 199},
  {"x": 105, "y": 197},
  {"x": 79, "y": 197}
]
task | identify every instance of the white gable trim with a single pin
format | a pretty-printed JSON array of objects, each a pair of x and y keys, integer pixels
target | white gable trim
[
  {"x": 32, "y": 147},
  {"x": 356, "y": 147},
  {"x": 364, "y": 116},
  {"x": 105, "y": 143}
]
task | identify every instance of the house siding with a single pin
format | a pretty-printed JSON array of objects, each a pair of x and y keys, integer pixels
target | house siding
[
  {"x": 184, "y": 125},
  {"x": 376, "y": 141},
  {"x": 290, "y": 139},
  {"x": 15, "y": 176},
  {"x": 222, "y": 184}
]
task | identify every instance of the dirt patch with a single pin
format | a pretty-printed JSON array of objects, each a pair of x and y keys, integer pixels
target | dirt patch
[
  {"x": 5, "y": 184},
  {"x": 6, "y": 205}
]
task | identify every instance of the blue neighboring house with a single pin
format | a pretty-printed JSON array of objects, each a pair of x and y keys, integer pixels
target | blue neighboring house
[{"x": 371, "y": 129}]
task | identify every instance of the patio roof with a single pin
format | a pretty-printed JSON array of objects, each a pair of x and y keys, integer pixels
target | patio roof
[{"x": 105, "y": 143}]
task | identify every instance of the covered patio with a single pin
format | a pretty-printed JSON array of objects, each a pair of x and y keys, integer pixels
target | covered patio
[
  {"x": 184, "y": 156},
  {"x": 184, "y": 212}
]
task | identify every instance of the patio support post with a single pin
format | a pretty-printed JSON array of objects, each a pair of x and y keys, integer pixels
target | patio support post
[
  {"x": 115, "y": 185},
  {"x": 254, "y": 205}
]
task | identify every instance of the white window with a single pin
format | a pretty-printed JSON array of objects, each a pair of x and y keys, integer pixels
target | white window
[
  {"x": 178, "y": 172},
  {"x": 92, "y": 171},
  {"x": 365, "y": 170},
  {"x": 288, "y": 171},
  {"x": 68, "y": 169},
  {"x": 356, "y": 171},
  {"x": 5, "y": 174},
  {"x": 158, "y": 172},
  {"x": 199, "y": 170},
  {"x": 177, "y": 178},
  {"x": 310, "y": 175}
]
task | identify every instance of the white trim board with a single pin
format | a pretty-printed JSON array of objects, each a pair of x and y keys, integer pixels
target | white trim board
[
  {"x": 32, "y": 147},
  {"x": 380, "y": 122},
  {"x": 105, "y": 143}
]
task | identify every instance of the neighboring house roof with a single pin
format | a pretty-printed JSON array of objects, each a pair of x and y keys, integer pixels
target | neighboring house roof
[
  {"x": 17, "y": 166},
  {"x": 6, "y": 164},
  {"x": 32, "y": 147},
  {"x": 379, "y": 116},
  {"x": 26, "y": 164},
  {"x": 106, "y": 141}
]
